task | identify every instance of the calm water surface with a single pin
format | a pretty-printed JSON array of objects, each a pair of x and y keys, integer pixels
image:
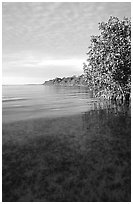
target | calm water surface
[{"x": 34, "y": 101}]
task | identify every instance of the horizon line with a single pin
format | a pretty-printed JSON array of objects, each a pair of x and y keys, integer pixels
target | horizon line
[{"x": 22, "y": 84}]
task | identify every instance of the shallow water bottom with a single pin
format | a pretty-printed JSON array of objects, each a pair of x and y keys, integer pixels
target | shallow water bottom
[{"x": 82, "y": 158}]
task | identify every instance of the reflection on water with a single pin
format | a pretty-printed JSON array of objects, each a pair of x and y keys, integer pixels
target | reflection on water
[
  {"x": 36, "y": 101},
  {"x": 31, "y": 101}
]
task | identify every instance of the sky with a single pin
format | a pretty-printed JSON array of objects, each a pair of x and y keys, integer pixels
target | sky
[{"x": 42, "y": 41}]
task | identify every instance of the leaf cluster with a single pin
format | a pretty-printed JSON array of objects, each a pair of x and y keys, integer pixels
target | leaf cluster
[{"x": 108, "y": 68}]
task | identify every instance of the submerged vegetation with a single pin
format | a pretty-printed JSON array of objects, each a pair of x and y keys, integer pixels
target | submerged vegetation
[{"x": 84, "y": 158}]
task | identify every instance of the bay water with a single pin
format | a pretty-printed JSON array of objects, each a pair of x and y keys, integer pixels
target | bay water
[{"x": 20, "y": 102}]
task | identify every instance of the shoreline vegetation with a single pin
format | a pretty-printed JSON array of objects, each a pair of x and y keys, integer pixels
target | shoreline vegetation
[
  {"x": 108, "y": 67},
  {"x": 88, "y": 162},
  {"x": 67, "y": 81},
  {"x": 107, "y": 71}
]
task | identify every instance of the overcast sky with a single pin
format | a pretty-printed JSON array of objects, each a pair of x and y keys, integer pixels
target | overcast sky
[{"x": 47, "y": 40}]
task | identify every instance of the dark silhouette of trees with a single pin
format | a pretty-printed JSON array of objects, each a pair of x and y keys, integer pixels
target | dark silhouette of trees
[{"x": 68, "y": 81}]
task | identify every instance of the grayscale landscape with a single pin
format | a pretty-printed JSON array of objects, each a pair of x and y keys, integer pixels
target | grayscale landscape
[{"x": 66, "y": 102}]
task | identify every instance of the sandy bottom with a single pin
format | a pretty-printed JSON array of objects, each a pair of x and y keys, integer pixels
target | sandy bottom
[{"x": 80, "y": 158}]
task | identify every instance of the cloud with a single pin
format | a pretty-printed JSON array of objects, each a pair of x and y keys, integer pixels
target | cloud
[
  {"x": 55, "y": 27},
  {"x": 19, "y": 67},
  {"x": 62, "y": 62},
  {"x": 28, "y": 59},
  {"x": 45, "y": 38}
]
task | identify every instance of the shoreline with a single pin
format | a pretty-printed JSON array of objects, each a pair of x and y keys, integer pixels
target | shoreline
[{"x": 65, "y": 85}]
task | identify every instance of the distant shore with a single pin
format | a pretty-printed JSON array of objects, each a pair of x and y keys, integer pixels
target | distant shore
[{"x": 67, "y": 81}]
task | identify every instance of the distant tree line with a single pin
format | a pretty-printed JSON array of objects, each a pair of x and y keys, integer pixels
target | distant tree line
[
  {"x": 108, "y": 67},
  {"x": 68, "y": 81}
]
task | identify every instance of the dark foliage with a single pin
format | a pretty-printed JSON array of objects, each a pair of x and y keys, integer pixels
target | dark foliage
[
  {"x": 108, "y": 71},
  {"x": 68, "y": 81}
]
